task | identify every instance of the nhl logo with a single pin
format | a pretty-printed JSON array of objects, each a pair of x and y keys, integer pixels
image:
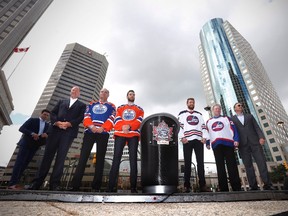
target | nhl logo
[{"x": 162, "y": 133}]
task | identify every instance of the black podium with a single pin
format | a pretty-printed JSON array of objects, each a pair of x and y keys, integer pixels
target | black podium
[{"x": 159, "y": 154}]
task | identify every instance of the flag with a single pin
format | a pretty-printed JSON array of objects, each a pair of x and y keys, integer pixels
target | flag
[{"x": 17, "y": 50}]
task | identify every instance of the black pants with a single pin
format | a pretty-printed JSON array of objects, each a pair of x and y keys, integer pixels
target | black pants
[
  {"x": 198, "y": 146},
  {"x": 57, "y": 142},
  {"x": 118, "y": 150},
  {"x": 226, "y": 154},
  {"x": 88, "y": 142}
]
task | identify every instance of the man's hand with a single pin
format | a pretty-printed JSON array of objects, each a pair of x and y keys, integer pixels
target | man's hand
[
  {"x": 35, "y": 136},
  {"x": 203, "y": 140},
  {"x": 125, "y": 128},
  {"x": 184, "y": 140},
  {"x": 262, "y": 141},
  {"x": 44, "y": 135}
]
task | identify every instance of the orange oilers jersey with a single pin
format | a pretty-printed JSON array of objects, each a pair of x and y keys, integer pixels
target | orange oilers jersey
[{"x": 128, "y": 115}]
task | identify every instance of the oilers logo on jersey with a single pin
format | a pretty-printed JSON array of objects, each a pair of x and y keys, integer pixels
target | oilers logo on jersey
[
  {"x": 99, "y": 108},
  {"x": 128, "y": 115}
]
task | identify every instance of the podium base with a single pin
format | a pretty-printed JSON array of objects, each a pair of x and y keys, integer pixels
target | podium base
[{"x": 160, "y": 189}]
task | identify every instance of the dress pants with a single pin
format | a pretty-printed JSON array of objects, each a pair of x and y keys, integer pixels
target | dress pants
[
  {"x": 24, "y": 156},
  {"x": 226, "y": 154},
  {"x": 246, "y": 153},
  {"x": 88, "y": 142},
  {"x": 58, "y": 142},
  {"x": 120, "y": 142},
  {"x": 198, "y": 146}
]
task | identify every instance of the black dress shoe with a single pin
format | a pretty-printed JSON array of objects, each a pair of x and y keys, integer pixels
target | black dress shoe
[
  {"x": 268, "y": 187},
  {"x": 56, "y": 188},
  {"x": 33, "y": 186},
  {"x": 204, "y": 189},
  {"x": 134, "y": 190},
  {"x": 254, "y": 188},
  {"x": 73, "y": 189},
  {"x": 187, "y": 189}
]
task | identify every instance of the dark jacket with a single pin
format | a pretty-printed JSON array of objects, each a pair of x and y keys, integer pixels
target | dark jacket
[
  {"x": 74, "y": 115},
  {"x": 29, "y": 127},
  {"x": 250, "y": 132}
]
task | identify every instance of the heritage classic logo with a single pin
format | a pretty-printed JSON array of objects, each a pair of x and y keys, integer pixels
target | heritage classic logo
[
  {"x": 162, "y": 133},
  {"x": 192, "y": 120},
  {"x": 217, "y": 126},
  {"x": 99, "y": 108},
  {"x": 128, "y": 115}
]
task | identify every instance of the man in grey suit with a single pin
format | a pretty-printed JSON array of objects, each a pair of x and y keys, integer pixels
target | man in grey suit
[{"x": 251, "y": 141}]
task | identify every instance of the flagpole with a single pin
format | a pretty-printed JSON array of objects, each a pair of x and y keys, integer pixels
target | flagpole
[{"x": 17, "y": 65}]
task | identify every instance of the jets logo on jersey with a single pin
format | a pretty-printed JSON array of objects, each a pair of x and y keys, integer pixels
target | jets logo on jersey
[
  {"x": 128, "y": 115},
  {"x": 217, "y": 126},
  {"x": 192, "y": 120},
  {"x": 99, "y": 108}
]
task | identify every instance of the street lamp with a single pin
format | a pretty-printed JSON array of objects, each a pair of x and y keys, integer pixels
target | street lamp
[
  {"x": 208, "y": 109},
  {"x": 281, "y": 124}
]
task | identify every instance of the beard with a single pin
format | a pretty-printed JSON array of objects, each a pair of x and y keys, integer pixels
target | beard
[
  {"x": 131, "y": 100},
  {"x": 191, "y": 107}
]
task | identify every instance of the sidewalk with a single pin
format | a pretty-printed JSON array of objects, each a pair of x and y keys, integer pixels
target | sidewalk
[{"x": 255, "y": 208}]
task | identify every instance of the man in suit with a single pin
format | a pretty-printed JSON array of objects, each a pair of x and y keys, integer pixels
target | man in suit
[
  {"x": 65, "y": 119},
  {"x": 34, "y": 135},
  {"x": 251, "y": 141}
]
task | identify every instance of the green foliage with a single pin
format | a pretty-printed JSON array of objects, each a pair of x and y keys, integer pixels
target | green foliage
[{"x": 278, "y": 174}]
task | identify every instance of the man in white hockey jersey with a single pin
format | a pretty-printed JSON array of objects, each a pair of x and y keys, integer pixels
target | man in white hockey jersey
[{"x": 193, "y": 135}]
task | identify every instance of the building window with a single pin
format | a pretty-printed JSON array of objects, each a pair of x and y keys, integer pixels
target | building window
[
  {"x": 275, "y": 149},
  {"x": 266, "y": 125},
  {"x": 260, "y": 110},
  {"x": 272, "y": 140},
  {"x": 263, "y": 117},
  {"x": 278, "y": 158},
  {"x": 268, "y": 132}
]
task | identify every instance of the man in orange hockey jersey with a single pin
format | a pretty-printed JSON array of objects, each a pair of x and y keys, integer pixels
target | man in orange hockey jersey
[{"x": 127, "y": 123}]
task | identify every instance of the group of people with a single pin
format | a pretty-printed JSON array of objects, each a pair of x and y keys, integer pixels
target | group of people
[
  {"x": 224, "y": 135},
  {"x": 99, "y": 117}
]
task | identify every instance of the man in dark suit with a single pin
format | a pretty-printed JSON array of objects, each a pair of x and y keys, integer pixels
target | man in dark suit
[
  {"x": 65, "y": 119},
  {"x": 34, "y": 135},
  {"x": 251, "y": 141}
]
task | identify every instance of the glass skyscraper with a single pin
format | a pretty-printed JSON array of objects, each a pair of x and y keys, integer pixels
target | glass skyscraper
[{"x": 232, "y": 72}]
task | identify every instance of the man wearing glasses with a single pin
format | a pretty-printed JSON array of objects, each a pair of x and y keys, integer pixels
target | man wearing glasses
[{"x": 251, "y": 141}]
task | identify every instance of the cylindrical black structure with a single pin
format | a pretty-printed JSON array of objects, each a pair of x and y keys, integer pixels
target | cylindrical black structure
[{"x": 159, "y": 154}]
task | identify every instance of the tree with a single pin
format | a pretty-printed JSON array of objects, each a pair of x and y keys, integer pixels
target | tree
[{"x": 278, "y": 174}]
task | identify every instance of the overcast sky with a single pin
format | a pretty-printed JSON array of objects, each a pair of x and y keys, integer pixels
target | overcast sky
[{"x": 151, "y": 47}]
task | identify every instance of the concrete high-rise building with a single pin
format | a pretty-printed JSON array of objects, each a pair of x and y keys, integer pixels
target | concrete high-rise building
[
  {"x": 232, "y": 72},
  {"x": 17, "y": 17},
  {"x": 78, "y": 66}
]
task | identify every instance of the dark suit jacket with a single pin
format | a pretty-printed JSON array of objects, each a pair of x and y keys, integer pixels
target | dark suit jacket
[
  {"x": 250, "y": 132},
  {"x": 74, "y": 115},
  {"x": 29, "y": 127}
]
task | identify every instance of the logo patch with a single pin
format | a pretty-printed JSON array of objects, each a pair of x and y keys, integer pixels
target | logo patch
[
  {"x": 162, "y": 133},
  {"x": 128, "y": 115},
  {"x": 192, "y": 120},
  {"x": 217, "y": 126},
  {"x": 99, "y": 108}
]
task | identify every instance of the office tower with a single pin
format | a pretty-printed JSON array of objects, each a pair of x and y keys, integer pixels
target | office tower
[
  {"x": 17, "y": 17},
  {"x": 79, "y": 66},
  {"x": 6, "y": 105},
  {"x": 231, "y": 72}
]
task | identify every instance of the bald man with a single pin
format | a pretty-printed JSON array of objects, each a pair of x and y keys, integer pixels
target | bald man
[{"x": 65, "y": 119}]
